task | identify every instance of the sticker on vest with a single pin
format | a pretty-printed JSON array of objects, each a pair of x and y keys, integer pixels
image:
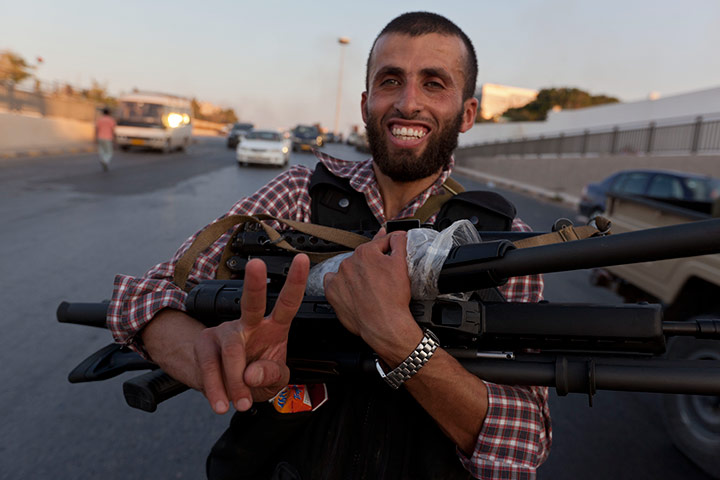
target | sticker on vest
[{"x": 300, "y": 398}]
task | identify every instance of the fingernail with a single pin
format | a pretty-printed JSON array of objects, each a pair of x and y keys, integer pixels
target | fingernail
[
  {"x": 220, "y": 406},
  {"x": 258, "y": 377},
  {"x": 242, "y": 404}
]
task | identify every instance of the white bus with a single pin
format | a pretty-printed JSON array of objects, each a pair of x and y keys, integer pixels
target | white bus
[{"x": 153, "y": 120}]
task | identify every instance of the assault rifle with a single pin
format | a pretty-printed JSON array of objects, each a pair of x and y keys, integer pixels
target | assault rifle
[{"x": 574, "y": 348}]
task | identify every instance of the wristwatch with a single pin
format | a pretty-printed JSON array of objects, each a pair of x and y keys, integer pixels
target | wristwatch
[{"x": 413, "y": 363}]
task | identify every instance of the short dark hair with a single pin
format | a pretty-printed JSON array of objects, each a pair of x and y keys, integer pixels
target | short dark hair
[
  {"x": 416, "y": 24},
  {"x": 106, "y": 111}
]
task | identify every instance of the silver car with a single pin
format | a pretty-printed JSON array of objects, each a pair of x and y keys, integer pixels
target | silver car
[{"x": 264, "y": 147}]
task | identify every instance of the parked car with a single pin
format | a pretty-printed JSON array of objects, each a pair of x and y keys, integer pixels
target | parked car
[
  {"x": 688, "y": 190},
  {"x": 263, "y": 147},
  {"x": 306, "y": 137},
  {"x": 236, "y": 132}
]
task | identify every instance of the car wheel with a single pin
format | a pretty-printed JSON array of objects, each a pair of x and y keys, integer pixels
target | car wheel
[
  {"x": 167, "y": 147},
  {"x": 693, "y": 421},
  {"x": 185, "y": 145},
  {"x": 124, "y": 148}
]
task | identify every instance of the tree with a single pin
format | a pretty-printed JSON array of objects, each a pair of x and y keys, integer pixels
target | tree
[
  {"x": 548, "y": 98},
  {"x": 13, "y": 68},
  {"x": 221, "y": 116},
  {"x": 98, "y": 93}
]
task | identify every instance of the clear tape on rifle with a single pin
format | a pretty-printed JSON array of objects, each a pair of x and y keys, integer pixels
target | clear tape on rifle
[{"x": 427, "y": 250}]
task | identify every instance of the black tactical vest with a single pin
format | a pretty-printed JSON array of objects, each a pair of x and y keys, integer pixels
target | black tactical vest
[
  {"x": 365, "y": 430},
  {"x": 336, "y": 204}
]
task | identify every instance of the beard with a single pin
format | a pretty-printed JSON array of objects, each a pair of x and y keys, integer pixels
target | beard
[{"x": 405, "y": 166}]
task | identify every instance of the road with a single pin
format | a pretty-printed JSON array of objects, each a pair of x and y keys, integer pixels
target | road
[{"x": 68, "y": 228}]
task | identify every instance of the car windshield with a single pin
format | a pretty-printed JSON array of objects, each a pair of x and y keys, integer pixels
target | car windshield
[
  {"x": 140, "y": 114},
  {"x": 242, "y": 127},
  {"x": 303, "y": 131},
  {"x": 263, "y": 135}
]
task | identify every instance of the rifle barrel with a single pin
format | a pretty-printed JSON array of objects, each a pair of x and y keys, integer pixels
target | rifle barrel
[
  {"x": 462, "y": 273},
  {"x": 567, "y": 374}
]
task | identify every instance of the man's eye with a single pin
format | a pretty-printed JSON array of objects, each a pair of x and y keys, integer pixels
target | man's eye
[
  {"x": 390, "y": 81},
  {"x": 434, "y": 85}
]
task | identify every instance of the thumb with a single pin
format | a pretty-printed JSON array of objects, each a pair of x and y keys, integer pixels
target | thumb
[
  {"x": 266, "y": 374},
  {"x": 327, "y": 279}
]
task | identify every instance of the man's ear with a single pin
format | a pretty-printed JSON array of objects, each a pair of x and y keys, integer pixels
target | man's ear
[
  {"x": 363, "y": 104},
  {"x": 470, "y": 107}
]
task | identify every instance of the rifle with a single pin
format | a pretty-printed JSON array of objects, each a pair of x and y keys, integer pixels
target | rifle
[{"x": 574, "y": 348}]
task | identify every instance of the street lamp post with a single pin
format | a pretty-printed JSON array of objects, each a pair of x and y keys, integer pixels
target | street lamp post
[{"x": 342, "y": 41}]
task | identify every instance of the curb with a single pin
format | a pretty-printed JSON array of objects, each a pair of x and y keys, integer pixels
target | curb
[
  {"x": 569, "y": 200},
  {"x": 47, "y": 152}
]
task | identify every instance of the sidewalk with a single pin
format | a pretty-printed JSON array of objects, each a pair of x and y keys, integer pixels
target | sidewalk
[
  {"x": 39, "y": 152},
  {"x": 565, "y": 198}
]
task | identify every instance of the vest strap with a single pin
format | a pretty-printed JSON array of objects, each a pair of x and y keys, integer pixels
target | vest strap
[{"x": 433, "y": 204}]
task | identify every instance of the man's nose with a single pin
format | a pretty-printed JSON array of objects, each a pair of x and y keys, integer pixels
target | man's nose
[{"x": 409, "y": 101}]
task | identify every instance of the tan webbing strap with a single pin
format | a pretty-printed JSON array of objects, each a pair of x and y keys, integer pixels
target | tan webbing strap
[
  {"x": 565, "y": 234},
  {"x": 204, "y": 239},
  {"x": 215, "y": 230},
  {"x": 435, "y": 202}
]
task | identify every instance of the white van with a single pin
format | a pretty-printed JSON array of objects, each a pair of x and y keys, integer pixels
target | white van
[{"x": 153, "y": 120}]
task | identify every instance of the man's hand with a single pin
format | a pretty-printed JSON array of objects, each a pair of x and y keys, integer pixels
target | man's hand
[
  {"x": 239, "y": 361},
  {"x": 244, "y": 360},
  {"x": 371, "y": 295}
]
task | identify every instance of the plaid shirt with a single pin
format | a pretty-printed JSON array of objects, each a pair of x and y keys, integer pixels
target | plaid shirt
[{"x": 516, "y": 434}]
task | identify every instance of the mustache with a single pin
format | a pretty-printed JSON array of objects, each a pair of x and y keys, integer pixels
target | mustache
[{"x": 397, "y": 115}]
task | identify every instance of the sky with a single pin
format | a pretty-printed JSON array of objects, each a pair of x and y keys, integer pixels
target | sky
[{"x": 278, "y": 63}]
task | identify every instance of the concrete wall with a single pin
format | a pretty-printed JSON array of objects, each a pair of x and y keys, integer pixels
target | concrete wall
[
  {"x": 25, "y": 133},
  {"x": 567, "y": 176},
  {"x": 664, "y": 111},
  {"x": 29, "y": 134}
]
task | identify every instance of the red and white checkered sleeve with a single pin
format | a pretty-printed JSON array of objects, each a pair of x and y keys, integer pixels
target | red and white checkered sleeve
[
  {"x": 517, "y": 433},
  {"x": 135, "y": 300}
]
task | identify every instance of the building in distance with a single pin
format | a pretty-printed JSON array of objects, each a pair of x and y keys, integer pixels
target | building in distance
[{"x": 494, "y": 100}]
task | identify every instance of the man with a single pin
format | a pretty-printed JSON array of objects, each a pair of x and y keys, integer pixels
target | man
[
  {"x": 421, "y": 74},
  {"x": 104, "y": 132}
]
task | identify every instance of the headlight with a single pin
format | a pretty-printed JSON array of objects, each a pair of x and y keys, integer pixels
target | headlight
[
  {"x": 174, "y": 120},
  {"x": 284, "y": 149},
  {"x": 186, "y": 118}
]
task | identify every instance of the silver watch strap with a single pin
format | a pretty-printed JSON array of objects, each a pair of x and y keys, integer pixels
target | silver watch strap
[{"x": 413, "y": 363}]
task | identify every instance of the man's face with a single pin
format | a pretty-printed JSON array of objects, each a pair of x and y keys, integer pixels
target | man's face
[{"x": 413, "y": 108}]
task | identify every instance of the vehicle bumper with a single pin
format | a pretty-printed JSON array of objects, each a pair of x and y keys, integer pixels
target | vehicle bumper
[
  {"x": 156, "y": 142},
  {"x": 261, "y": 158},
  {"x": 306, "y": 146}
]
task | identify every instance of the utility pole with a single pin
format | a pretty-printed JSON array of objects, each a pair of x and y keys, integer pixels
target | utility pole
[{"x": 342, "y": 41}]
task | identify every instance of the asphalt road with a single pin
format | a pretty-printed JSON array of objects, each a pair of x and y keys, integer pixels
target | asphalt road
[{"x": 68, "y": 228}]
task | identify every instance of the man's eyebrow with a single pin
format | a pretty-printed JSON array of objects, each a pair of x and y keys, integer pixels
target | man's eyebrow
[
  {"x": 436, "y": 72},
  {"x": 389, "y": 70}
]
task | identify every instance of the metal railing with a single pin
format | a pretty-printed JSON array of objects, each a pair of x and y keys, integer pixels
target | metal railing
[
  {"x": 673, "y": 136},
  {"x": 54, "y": 104}
]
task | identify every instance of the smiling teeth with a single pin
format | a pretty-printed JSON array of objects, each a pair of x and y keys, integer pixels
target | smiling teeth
[{"x": 405, "y": 133}]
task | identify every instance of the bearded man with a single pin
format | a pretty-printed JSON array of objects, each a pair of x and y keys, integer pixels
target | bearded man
[{"x": 443, "y": 422}]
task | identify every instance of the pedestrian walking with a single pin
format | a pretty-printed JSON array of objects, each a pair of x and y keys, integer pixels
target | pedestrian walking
[{"x": 104, "y": 132}]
